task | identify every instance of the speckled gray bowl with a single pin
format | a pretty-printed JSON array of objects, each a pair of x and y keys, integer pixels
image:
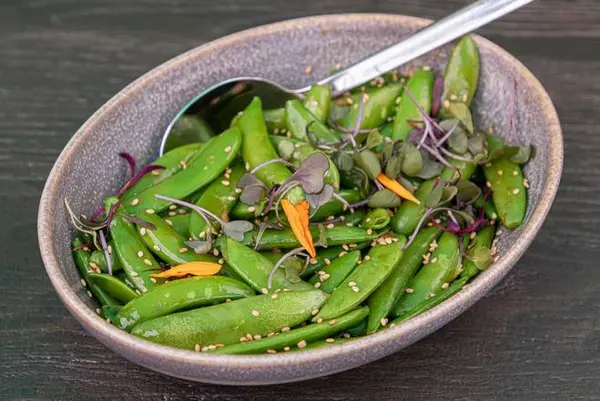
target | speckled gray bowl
[{"x": 133, "y": 121}]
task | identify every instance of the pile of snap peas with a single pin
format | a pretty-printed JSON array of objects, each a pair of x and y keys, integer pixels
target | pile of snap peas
[{"x": 310, "y": 225}]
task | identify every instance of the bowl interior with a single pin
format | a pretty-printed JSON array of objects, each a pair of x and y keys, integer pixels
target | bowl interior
[{"x": 509, "y": 99}]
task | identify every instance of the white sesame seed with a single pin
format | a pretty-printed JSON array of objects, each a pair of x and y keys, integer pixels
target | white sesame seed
[
  {"x": 308, "y": 70},
  {"x": 156, "y": 248},
  {"x": 142, "y": 231},
  {"x": 89, "y": 294},
  {"x": 274, "y": 296},
  {"x": 525, "y": 183},
  {"x": 204, "y": 349},
  {"x": 345, "y": 247},
  {"x": 228, "y": 300},
  {"x": 216, "y": 252},
  {"x": 283, "y": 330},
  {"x": 271, "y": 351},
  {"x": 409, "y": 290},
  {"x": 140, "y": 254},
  {"x": 172, "y": 213},
  {"x": 301, "y": 344},
  {"x": 445, "y": 285},
  {"x": 317, "y": 284},
  {"x": 172, "y": 207},
  {"x": 150, "y": 211},
  {"x": 153, "y": 279},
  {"x": 238, "y": 190},
  {"x": 99, "y": 311},
  {"x": 329, "y": 340},
  {"x": 183, "y": 164},
  {"x": 83, "y": 283},
  {"x": 488, "y": 184},
  {"x": 367, "y": 258},
  {"x": 264, "y": 291},
  {"x": 227, "y": 149},
  {"x": 332, "y": 322},
  {"x": 231, "y": 198},
  {"x": 515, "y": 173},
  {"x": 342, "y": 254},
  {"x": 255, "y": 313},
  {"x": 225, "y": 183},
  {"x": 355, "y": 288},
  {"x": 346, "y": 335},
  {"x": 516, "y": 191},
  {"x": 243, "y": 339},
  {"x": 286, "y": 348},
  {"x": 472, "y": 235},
  {"x": 133, "y": 274},
  {"x": 327, "y": 261},
  {"x": 183, "y": 250},
  {"x": 330, "y": 226},
  {"x": 446, "y": 104},
  {"x": 155, "y": 172},
  {"x": 221, "y": 261},
  {"x": 251, "y": 209},
  {"x": 197, "y": 347},
  {"x": 383, "y": 321},
  {"x": 500, "y": 172},
  {"x": 320, "y": 320},
  {"x": 314, "y": 312},
  {"x": 148, "y": 262},
  {"x": 324, "y": 277},
  {"x": 135, "y": 202}
]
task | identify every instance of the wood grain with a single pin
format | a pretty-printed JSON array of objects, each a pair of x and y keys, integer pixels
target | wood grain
[{"x": 534, "y": 337}]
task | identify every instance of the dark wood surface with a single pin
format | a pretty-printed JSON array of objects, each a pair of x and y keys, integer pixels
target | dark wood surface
[{"x": 535, "y": 337}]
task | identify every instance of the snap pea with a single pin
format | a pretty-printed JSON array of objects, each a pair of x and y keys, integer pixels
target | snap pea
[
  {"x": 387, "y": 295},
  {"x": 326, "y": 343},
  {"x": 376, "y": 110},
  {"x": 355, "y": 219},
  {"x": 97, "y": 258},
  {"x": 318, "y": 101},
  {"x": 172, "y": 161},
  {"x": 165, "y": 243},
  {"x": 377, "y": 219},
  {"x": 138, "y": 262},
  {"x": 109, "y": 312},
  {"x": 335, "y": 207},
  {"x": 82, "y": 258},
  {"x": 180, "y": 223},
  {"x": 275, "y": 119},
  {"x": 361, "y": 283},
  {"x": 508, "y": 191},
  {"x": 441, "y": 270},
  {"x": 242, "y": 211},
  {"x": 255, "y": 269},
  {"x": 358, "y": 330},
  {"x": 299, "y": 118},
  {"x": 226, "y": 323},
  {"x": 123, "y": 277},
  {"x": 299, "y": 337},
  {"x": 420, "y": 86},
  {"x": 113, "y": 287},
  {"x": 482, "y": 240},
  {"x": 203, "y": 168},
  {"x": 462, "y": 72},
  {"x": 331, "y": 276},
  {"x": 407, "y": 216},
  {"x": 178, "y": 295},
  {"x": 296, "y": 152},
  {"x": 324, "y": 257},
  {"x": 219, "y": 197},
  {"x": 489, "y": 208}
]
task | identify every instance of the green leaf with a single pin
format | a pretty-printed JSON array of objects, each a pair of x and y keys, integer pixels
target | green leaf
[
  {"x": 462, "y": 113},
  {"x": 374, "y": 139},
  {"x": 384, "y": 198},
  {"x": 430, "y": 169},
  {"x": 286, "y": 149},
  {"x": 413, "y": 161},
  {"x": 518, "y": 154},
  {"x": 435, "y": 196},
  {"x": 393, "y": 168},
  {"x": 356, "y": 178},
  {"x": 476, "y": 144},
  {"x": 322, "y": 241},
  {"x": 293, "y": 268},
  {"x": 448, "y": 193},
  {"x": 387, "y": 150},
  {"x": 481, "y": 258},
  {"x": 458, "y": 141},
  {"x": 467, "y": 191},
  {"x": 342, "y": 160},
  {"x": 411, "y": 185},
  {"x": 368, "y": 161},
  {"x": 464, "y": 216}
]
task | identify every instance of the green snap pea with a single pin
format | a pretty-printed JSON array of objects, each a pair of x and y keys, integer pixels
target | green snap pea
[
  {"x": 296, "y": 152},
  {"x": 218, "y": 198},
  {"x": 331, "y": 276},
  {"x": 335, "y": 207},
  {"x": 363, "y": 281},
  {"x": 242, "y": 211},
  {"x": 180, "y": 223},
  {"x": 462, "y": 72},
  {"x": 387, "y": 295},
  {"x": 407, "y": 216},
  {"x": 441, "y": 270},
  {"x": 113, "y": 287},
  {"x": 275, "y": 119},
  {"x": 191, "y": 128},
  {"x": 98, "y": 259},
  {"x": 226, "y": 323},
  {"x": 462, "y": 170},
  {"x": 82, "y": 261},
  {"x": 489, "y": 208},
  {"x": 172, "y": 161},
  {"x": 299, "y": 118},
  {"x": 123, "y": 277},
  {"x": 203, "y": 168},
  {"x": 255, "y": 269},
  {"x": 109, "y": 312},
  {"x": 169, "y": 246},
  {"x": 355, "y": 219},
  {"x": 483, "y": 240},
  {"x": 179, "y": 295},
  {"x": 358, "y": 330},
  {"x": 508, "y": 191},
  {"x": 318, "y": 101},
  {"x": 299, "y": 337},
  {"x": 377, "y": 219},
  {"x": 324, "y": 257},
  {"x": 138, "y": 262},
  {"x": 376, "y": 110},
  {"x": 420, "y": 86},
  {"x": 437, "y": 299},
  {"x": 326, "y": 343}
]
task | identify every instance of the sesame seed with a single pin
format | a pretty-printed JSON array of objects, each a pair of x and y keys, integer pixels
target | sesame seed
[
  {"x": 367, "y": 258},
  {"x": 150, "y": 211},
  {"x": 352, "y": 245},
  {"x": 525, "y": 183},
  {"x": 135, "y": 202},
  {"x": 472, "y": 235},
  {"x": 140, "y": 254},
  {"x": 251, "y": 209},
  {"x": 516, "y": 191},
  {"x": 346, "y": 335},
  {"x": 453, "y": 97},
  {"x": 330, "y": 226},
  {"x": 329, "y": 340},
  {"x": 155, "y": 172},
  {"x": 156, "y": 248},
  {"x": 238, "y": 190},
  {"x": 183, "y": 250},
  {"x": 488, "y": 164},
  {"x": 228, "y": 300},
  {"x": 231, "y": 198},
  {"x": 314, "y": 261},
  {"x": 355, "y": 288},
  {"x": 283, "y": 330},
  {"x": 216, "y": 252},
  {"x": 274, "y": 296},
  {"x": 464, "y": 97},
  {"x": 255, "y": 313},
  {"x": 314, "y": 312},
  {"x": 264, "y": 291},
  {"x": 317, "y": 284},
  {"x": 434, "y": 260},
  {"x": 271, "y": 334},
  {"x": 204, "y": 349},
  {"x": 227, "y": 149},
  {"x": 184, "y": 165},
  {"x": 320, "y": 320},
  {"x": 243, "y": 339},
  {"x": 89, "y": 294},
  {"x": 98, "y": 311},
  {"x": 409, "y": 290},
  {"x": 332, "y": 322},
  {"x": 327, "y": 261},
  {"x": 301, "y": 344},
  {"x": 221, "y": 261},
  {"x": 445, "y": 285},
  {"x": 83, "y": 283},
  {"x": 148, "y": 262},
  {"x": 515, "y": 173},
  {"x": 257, "y": 337},
  {"x": 500, "y": 172},
  {"x": 153, "y": 279},
  {"x": 197, "y": 347},
  {"x": 225, "y": 183},
  {"x": 446, "y": 104},
  {"x": 172, "y": 213},
  {"x": 488, "y": 184},
  {"x": 351, "y": 284},
  {"x": 342, "y": 254},
  {"x": 249, "y": 337},
  {"x": 398, "y": 100},
  {"x": 324, "y": 277},
  {"x": 202, "y": 235},
  {"x": 93, "y": 265},
  {"x": 271, "y": 351},
  {"x": 359, "y": 262},
  {"x": 286, "y": 348},
  {"x": 345, "y": 247},
  {"x": 383, "y": 321},
  {"x": 133, "y": 274},
  {"x": 142, "y": 231},
  {"x": 308, "y": 70},
  {"x": 349, "y": 100}
]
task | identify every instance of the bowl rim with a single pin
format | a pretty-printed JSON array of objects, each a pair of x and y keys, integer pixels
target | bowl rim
[{"x": 414, "y": 329}]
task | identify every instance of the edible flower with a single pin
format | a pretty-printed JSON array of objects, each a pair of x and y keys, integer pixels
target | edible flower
[
  {"x": 297, "y": 216},
  {"x": 395, "y": 187},
  {"x": 191, "y": 268}
]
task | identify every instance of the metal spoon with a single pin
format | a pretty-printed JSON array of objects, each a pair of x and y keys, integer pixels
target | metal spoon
[{"x": 218, "y": 104}]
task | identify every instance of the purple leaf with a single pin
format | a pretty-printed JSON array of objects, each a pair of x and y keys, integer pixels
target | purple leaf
[
  {"x": 199, "y": 247},
  {"x": 237, "y": 228},
  {"x": 130, "y": 161},
  {"x": 138, "y": 176},
  {"x": 438, "y": 88},
  {"x": 311, "y": 173},
  {"x": 318, "y": 199},
  {"x": 253, "y": 189}
]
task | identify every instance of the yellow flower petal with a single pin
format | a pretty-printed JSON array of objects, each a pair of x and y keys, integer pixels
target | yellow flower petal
[
  {"x": 395, "y": 187},
  {"x": 192, "y": 268},
  {"x": 297, "y": 216}
]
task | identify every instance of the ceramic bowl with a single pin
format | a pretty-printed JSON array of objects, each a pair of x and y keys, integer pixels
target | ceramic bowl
[{"x": 89, "y": 169}]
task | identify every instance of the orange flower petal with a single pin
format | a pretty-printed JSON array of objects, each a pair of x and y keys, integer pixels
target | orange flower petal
[
  {"x": 193, "y": 268},
  {"x": 297, "y": 216},
  {"x": 395, "y": 187}
]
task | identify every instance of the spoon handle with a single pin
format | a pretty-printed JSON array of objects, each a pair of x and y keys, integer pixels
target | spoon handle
[{"x": 435, "y": 35}]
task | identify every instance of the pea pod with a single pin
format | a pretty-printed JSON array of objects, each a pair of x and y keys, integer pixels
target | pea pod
[
  {"x": 363, "y": 281},
  {"x": 255, "y": 269},
  {"x": 326, "y": 343},
  {"x": 82, "y": 259},
  {"x": 377, "y": 109},
  {"x": 358, "y": 330},
  {"x": 387, "y": 295},
  {"x": 97, "y": 258},
  {"x": 179, "y": 295},
  {"x": 462, "y": 170},
  {"x": 203, "y": 168},
  {"x": 138, "y": 262},
  {"x": 407, "y": 216},
  {"x": 109, "y": 312},
  {"x": 355, "y": 219},
  {"x": 335, "y": 207},
  {"x": 275, "y": 119},
  {"x": 430, "y": 280},
  {"x": 483, "y": 240},
  {"x": 219, "y": 197},
  {"x": 180, "y": 224},
  {"x": 242, "y": 211},
  {"x": 296, "y": 152},
  {"x": 169, "y": 246},
  {"x": 377, "y": 219},
  {"x": 318, "y": 101},
  {"x": 489, "y": 208},
  {"x": 299, "y": 118},
  {"x": 331, "y": 276},
  {"x": 462, "y": 72},
  {"x": 420, "y": 86},
  {"x": 172, "y": 161},
  {"x": 508, "y": 191},
  {"x": 299, "y": 337},
  {"x": 113, "y": 287},
  {"x": 324, "y": 257},
  {"x": 226, "y": 323}
]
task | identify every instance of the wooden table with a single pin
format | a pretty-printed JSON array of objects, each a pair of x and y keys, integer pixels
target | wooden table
[{"x": 536, "y": 336}]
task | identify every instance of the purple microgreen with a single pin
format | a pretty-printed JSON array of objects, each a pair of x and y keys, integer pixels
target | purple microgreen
[
  {"x": 320, "y": 198},
  {"x": 438, "y": 89},
  {"x": 282, "y": 161},
  {"x": 293, "y": 252},
  {"x": 272, "y": 196},
  {"x": 130, "y": 162},
  {"x": 99, "y": 212},
  {"x": 262, "y": 227},
  {"x": 443, "y": 139},
  {"x": 455, "y": 156},
  {"x": 200, "y": 247},
  {"x": 107, "y": 255},
  {"x": 136, "y": 177},
  {"x": 237, "y": 228},
  {"x": 80, "y": 225},
  {"x": 253, "y": 189},
  {"x": 435, "y": 153},
  {"x": 422, "y": 221},
  {"x": 378, "y": 185},
  {"x": 311, "y": 174},
  {"x": 138, "y": 221}
]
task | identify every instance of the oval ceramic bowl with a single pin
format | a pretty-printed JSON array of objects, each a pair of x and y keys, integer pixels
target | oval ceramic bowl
[{"x": 89, "y": 169}]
